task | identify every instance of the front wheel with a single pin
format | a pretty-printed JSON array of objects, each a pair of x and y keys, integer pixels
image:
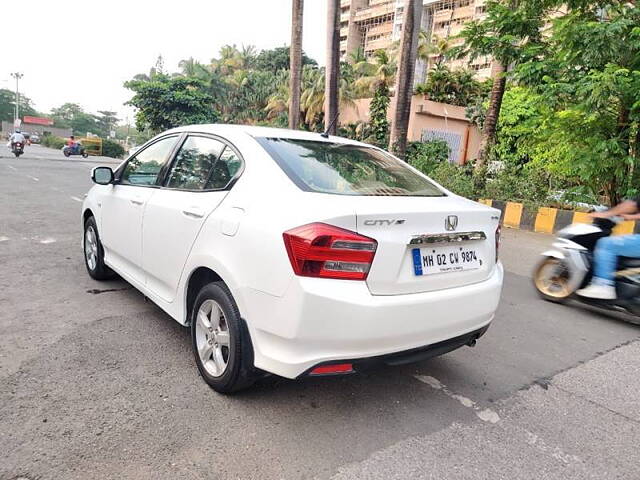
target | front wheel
[
  {"x": 221, "y": 344},
  {"x": 94, "y": 253},
  {"x": 85, "y": 154},
  {"x": 551, "y": 279},
  {"x": 66, "y": 153}
]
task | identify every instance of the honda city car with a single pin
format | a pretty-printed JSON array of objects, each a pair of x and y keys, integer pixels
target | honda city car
[{"x": 294, "y": 253}]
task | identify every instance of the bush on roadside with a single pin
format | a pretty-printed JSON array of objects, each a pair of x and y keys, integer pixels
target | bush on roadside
[
  {"x": 112, "y": 149},
  {"x": 426, "y": 156},
  {"x": 52, "y": 141},
  {"x": 459, "y": 179}
]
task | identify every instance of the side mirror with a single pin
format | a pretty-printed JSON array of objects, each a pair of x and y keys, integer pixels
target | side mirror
[{"x": 102, "y": 175}]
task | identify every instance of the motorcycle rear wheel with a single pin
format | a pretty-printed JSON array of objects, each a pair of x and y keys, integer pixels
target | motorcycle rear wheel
[{"x": 551, "y": 279}]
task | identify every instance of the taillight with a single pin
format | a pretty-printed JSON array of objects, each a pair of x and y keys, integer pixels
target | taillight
[
  {"x": 498, "y": 230},
  {"x": 321, "y": 250}
]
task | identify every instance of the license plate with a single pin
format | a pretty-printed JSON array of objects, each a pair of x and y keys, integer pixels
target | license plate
[{"x": 431, "y": 260}]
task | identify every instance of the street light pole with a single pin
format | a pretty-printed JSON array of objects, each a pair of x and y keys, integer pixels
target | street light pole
[{"x": 17, "y": 76}]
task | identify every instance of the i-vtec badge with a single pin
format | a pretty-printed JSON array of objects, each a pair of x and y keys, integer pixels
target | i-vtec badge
[{"x": 383, "y": 222}]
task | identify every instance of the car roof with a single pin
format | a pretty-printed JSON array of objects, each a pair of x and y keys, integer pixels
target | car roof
[{"x": 253, "y": 131}]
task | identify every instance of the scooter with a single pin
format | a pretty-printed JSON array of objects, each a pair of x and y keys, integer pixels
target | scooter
[
  {"x": 569, "y": 267},
  {"x": 77, "y": 149},
  {"x": 17, "y": 149}
]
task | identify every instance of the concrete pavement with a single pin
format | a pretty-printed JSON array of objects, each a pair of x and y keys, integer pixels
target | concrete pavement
[{"x": 97, "y": 383}]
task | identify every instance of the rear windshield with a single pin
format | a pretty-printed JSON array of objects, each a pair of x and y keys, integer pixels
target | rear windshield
[{"x": 343, "y": 169}]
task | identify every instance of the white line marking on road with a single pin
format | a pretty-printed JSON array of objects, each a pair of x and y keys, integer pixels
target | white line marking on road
[
  {"x": 486, "y": 415},
  {"x": 12, "y": 168},
  {"x": 33, "y": 178},
  {"x": 46, "y": 241},
  {"x": 76, "y": 199},
  {"x": 3, "y": 238}
]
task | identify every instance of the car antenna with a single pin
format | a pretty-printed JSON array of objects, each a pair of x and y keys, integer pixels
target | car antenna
[{"x": 325, "y": 134}]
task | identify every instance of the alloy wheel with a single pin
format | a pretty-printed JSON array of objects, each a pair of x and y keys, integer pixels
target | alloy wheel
[
  {"x": 91, "y": 248},
  {"x": 212, "y": 338}
]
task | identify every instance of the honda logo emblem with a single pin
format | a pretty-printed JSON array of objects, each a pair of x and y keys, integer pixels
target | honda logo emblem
[{"x": 451, "y": 223}]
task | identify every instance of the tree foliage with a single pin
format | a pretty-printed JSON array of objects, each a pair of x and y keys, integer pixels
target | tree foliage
[
  {"x": 277, "y": 59},
  {"x": 588, "y": 76},
  {"x": 166, "y": 102},
  {"x": 456, "y": 87},
  {"x": 8, "y": 105}
]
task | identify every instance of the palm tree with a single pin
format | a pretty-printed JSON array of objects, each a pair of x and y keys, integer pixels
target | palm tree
[
  {"x": 490, "y": 126},
  {"x": 377, "y": 78},
  {"x": 193, "y": 68},
  {"x": 295, "y": 65},
  {"x": 313, "y": 98},
  {"x": 406, "y": 70},
  {"x": 372, "y": 75},
  {"x": 333, "y": 67}
]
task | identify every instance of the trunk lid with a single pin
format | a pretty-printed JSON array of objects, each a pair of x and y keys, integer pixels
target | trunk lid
[{"x": 413, "y": 231}]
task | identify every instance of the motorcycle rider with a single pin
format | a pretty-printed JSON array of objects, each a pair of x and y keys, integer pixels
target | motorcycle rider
[
  {"x": 72, "y": 144},
  {"x": 16, "y": 137},
  {"x": 608, "y": 250}
]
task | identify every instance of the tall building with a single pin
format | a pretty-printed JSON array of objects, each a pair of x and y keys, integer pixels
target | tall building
[{"x": 375, "y": 24}]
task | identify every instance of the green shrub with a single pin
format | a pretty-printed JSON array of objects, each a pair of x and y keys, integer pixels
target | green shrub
[
  {"x": 426, "y": 156},
  {"x": 52, "y": 141},
  {"x": 112, "y": 149},
  {"x": 459, "y": 179},
  {"x": 528, "y": 184}
]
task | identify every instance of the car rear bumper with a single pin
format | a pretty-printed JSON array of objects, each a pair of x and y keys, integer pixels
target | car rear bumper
[{"x": 319, "y": 321}]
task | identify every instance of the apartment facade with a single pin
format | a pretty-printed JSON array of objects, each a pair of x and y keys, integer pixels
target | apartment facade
[{"x": 376, "y": 24}]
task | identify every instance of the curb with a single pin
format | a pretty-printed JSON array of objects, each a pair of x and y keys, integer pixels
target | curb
[{"x": 547, "y": 219}]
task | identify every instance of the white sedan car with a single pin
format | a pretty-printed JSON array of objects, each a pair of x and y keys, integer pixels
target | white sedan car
[{"x": 292, "y": 253}]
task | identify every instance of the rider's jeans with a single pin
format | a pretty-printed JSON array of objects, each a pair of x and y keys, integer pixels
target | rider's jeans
[{"x": 606, "y": 255}]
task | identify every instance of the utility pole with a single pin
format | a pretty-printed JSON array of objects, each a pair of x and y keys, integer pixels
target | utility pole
[{"x": 17, "y": 76}]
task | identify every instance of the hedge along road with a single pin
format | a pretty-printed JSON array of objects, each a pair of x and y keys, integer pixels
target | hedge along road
[{"x": 97, "y": 383}]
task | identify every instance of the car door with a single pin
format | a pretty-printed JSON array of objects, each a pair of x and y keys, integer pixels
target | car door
[
  {"x": 122, "y": 206},
  {"x": 202, "y": 171}
]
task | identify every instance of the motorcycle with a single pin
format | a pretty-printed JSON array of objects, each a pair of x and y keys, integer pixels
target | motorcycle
[
  {"x": 569, "y": 267},
  {"x": 17, "y": 149},
  {"x": 77, "y": 149}
]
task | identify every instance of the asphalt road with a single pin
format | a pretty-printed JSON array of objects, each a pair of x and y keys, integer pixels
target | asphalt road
[{"x": 97, "y": 383}]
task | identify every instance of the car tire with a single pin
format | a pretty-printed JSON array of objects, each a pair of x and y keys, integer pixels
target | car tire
[
  {"x": 220, "y": 340},
  {"x": 94, "y": 253}
]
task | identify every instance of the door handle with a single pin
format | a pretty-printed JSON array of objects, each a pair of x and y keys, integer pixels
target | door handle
[
  {"x": 136, "y": 201},
  {"x": 193, "y": 213}
]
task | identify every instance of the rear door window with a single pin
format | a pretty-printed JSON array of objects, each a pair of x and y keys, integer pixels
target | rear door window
[
  {"x": 225, "y": 169},
  {"x": 346, "y": 169}
]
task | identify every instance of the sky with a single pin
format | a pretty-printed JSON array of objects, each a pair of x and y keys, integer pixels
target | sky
[{"x": 82, "y": 51}]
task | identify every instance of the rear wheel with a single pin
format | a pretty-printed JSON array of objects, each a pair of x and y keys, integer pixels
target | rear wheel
[
  {"x": 221, "y": 345},
  {"x": 17, "y": 154},
  {"x": 551, "y": 278}
]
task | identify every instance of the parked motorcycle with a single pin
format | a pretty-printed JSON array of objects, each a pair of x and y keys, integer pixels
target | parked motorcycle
[
  {"x": 17, "y": 149},
  {"x": 569, "y": 267},
  {"x": 75, "y": 150}
]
